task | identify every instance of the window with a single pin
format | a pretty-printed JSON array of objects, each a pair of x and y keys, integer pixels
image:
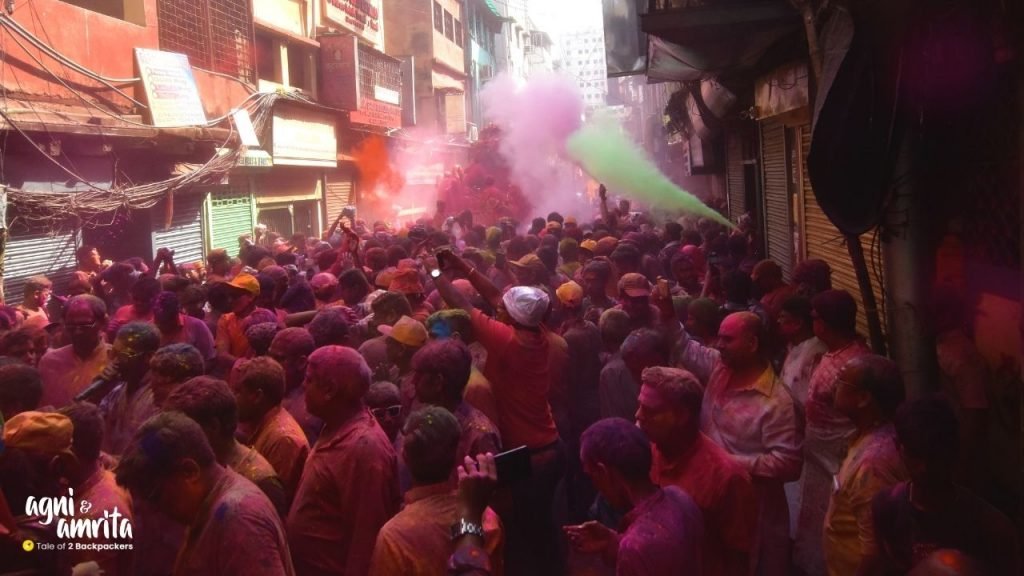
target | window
[
  {"x": 266, "y": 55},
  {"x": 449, "y": 26},
  {"x": 215, "y": 34},
  {"x": 458, "y": 33},
  {"x": 299, "y": 68},
  {"x": 438, "y": 17}
]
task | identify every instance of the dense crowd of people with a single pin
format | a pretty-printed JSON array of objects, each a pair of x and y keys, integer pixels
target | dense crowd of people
[{"x": 630, "y": 394}]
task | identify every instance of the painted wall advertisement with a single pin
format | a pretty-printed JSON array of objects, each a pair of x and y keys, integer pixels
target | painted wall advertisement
[{"x": 359, "y": 16}]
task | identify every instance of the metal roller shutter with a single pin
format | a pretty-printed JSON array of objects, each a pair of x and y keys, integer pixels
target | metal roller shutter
[
  {"x": 455, "y": 113},
  {"x": 778, "y": 223},
  {"x": 338, "y": 193},
  {"x": 230, "y": 217},
  {"x": 185, "y": 234},
  {"x": 734, "y": 175},
  {"x": 31, "y": 254},
  {"x": 824, "y": 241}
]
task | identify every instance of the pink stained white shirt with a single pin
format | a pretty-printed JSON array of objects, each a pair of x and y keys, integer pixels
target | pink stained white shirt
[
  {"x": 349, "y": 489},
  {"x": 64, "y": 374},
  {"x": 282, "y": 442}
]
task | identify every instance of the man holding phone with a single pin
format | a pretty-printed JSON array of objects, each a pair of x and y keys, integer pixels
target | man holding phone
[{"x": 525, "y": 363}]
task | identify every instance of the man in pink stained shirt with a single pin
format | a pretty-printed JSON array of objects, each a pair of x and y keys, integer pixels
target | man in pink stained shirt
[
  {"x": 349, "y": 485},
  {"x": 68, "y": 370}
]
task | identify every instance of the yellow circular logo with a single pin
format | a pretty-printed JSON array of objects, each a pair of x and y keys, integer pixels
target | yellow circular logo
[{"x": 28, "y": 545}]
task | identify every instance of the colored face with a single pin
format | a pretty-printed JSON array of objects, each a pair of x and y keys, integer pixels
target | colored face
[
  {"x": 735, "y": 344},
  {"x": 247, "y": 401},
  {"x": 789, "y": 325},
  {"x": 638, "y": 307},
  {"x": 294, "y": 365},
  {"x": 26, "y": 352},
  {"x": 82, "y": 328},
  {"x": 593, "y": 285},
  {"x": 655, "y": 416},
  {"x": 318, "y": 391}
]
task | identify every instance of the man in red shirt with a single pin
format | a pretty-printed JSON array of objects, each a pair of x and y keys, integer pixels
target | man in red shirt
[
  {"x": 669, "y": 413},
  {"x": 526, "y": 362},
  {"x": 349, "y": 485}
]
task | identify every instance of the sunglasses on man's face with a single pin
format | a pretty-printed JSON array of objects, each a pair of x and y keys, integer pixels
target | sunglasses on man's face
[{"x": 387, "y": 411}]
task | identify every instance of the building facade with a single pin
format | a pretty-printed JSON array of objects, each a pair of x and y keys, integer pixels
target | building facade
[
  {"x": 437, "y": 45},
  {"x": 583, "y": 60}
]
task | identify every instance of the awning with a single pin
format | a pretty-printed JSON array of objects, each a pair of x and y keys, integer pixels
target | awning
[
  {"x": 692, "y": 43},
  {"x": 444, "y": 82}
]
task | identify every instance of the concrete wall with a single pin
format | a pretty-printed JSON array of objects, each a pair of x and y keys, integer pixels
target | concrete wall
[
  {"x": 100, "y": 43},
  {"x": 447, "y": 51},
  {"x": 289, "y": 15}
]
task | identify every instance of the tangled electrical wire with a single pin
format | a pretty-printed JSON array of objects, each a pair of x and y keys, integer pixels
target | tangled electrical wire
[{"x": 57, "y": 210}]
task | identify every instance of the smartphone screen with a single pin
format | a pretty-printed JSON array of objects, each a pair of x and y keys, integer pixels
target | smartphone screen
[{"x": 513, "y": 465}]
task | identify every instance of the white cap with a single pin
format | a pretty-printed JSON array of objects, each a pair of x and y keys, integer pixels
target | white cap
[{"x": 526, "y": 305}]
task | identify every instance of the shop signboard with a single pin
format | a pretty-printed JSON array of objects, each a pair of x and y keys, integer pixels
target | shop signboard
[{"x": 171, "y": 94}]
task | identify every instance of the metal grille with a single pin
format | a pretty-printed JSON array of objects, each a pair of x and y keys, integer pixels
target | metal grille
[
  {"x": 376, "y": 69},
  {"x": 824, "y": 241},
  {"x": 778, "y": 223},
  {"x": 230, "y": 217},
  {"x": 734, "y": 175},
  {"x": 215, "y": 34}
]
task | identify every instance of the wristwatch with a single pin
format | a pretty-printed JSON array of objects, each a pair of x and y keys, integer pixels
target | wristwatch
[{"x": 462, "y": 528}]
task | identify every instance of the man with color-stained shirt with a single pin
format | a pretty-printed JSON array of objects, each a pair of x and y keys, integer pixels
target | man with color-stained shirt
[
  {"x": 749, "y": 412},
  {"x": 259, "y": 386},
  {"x": 68, "y": 370},
  {"x": 130, "y": 402},
  {"x": 349, "y": 486},
  {"x": 291, "y": 348},
  {"x": 525, "y": 364},
  {"x": 231, "y": 340},
  {"x": 233, "y": 528},
  {"x": 417, "y": 541},
  {"x": 662, "y": 531},
  {"x": 868, "y": 392},
  {"x": 440, "y": 372},
  {"x": 670, "y": 407}
]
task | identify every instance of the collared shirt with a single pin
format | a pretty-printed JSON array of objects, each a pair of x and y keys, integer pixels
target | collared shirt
[
  {"x": 617, "y": 390},
  {"x": 872, "y": 465},
  {"x": 282, "y": 442},
  {"x": 725, "y": 494},
  {"x": 661, "y": 536},
  {"x": 756, "y": 423},
  {"x": 237, "y": 532},
  {"x": 349, "y": 489},
  {"x": 191, "y": 331},
  {"x": 250, "y": 465},
  {"x": 523, "y": 367},
  {"x": 102, "y": 492},
  {"x": 417, "y": 541},
  {"x": 64, "y": 374},
  {"x": 479, "y": 434},
  {"x": 124, "y": 413},
  {"x": 824, "y": 422},
  {"x": 801, "y": 360}
]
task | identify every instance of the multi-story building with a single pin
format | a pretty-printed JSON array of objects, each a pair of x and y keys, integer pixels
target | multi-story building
[
  {"x": 437, "y": 44},
  {"x": 539, "y": 52},
  {"x": 483, "y": 24},
  {"x": 583, "y": 60},
  {"x": 510, "y": 48},
  {"x": 79, "y": 128}
]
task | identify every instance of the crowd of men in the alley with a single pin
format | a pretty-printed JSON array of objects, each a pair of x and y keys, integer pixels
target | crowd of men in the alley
[{"x": 334, "y": 405}]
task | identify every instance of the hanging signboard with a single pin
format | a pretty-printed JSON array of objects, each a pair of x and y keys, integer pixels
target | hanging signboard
[
  {"x": 171, "y": 93},
  {"x": 304, "y": 137},
  {"x": 344, "y": 61}
]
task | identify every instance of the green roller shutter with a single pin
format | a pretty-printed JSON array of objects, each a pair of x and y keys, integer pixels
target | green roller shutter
[{"x": 230, "y": 217}]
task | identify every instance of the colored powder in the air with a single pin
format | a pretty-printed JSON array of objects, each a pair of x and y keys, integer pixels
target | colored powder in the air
[
  {"x": 372, "y": 159},
  {"x": 605, "y": 153}
]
